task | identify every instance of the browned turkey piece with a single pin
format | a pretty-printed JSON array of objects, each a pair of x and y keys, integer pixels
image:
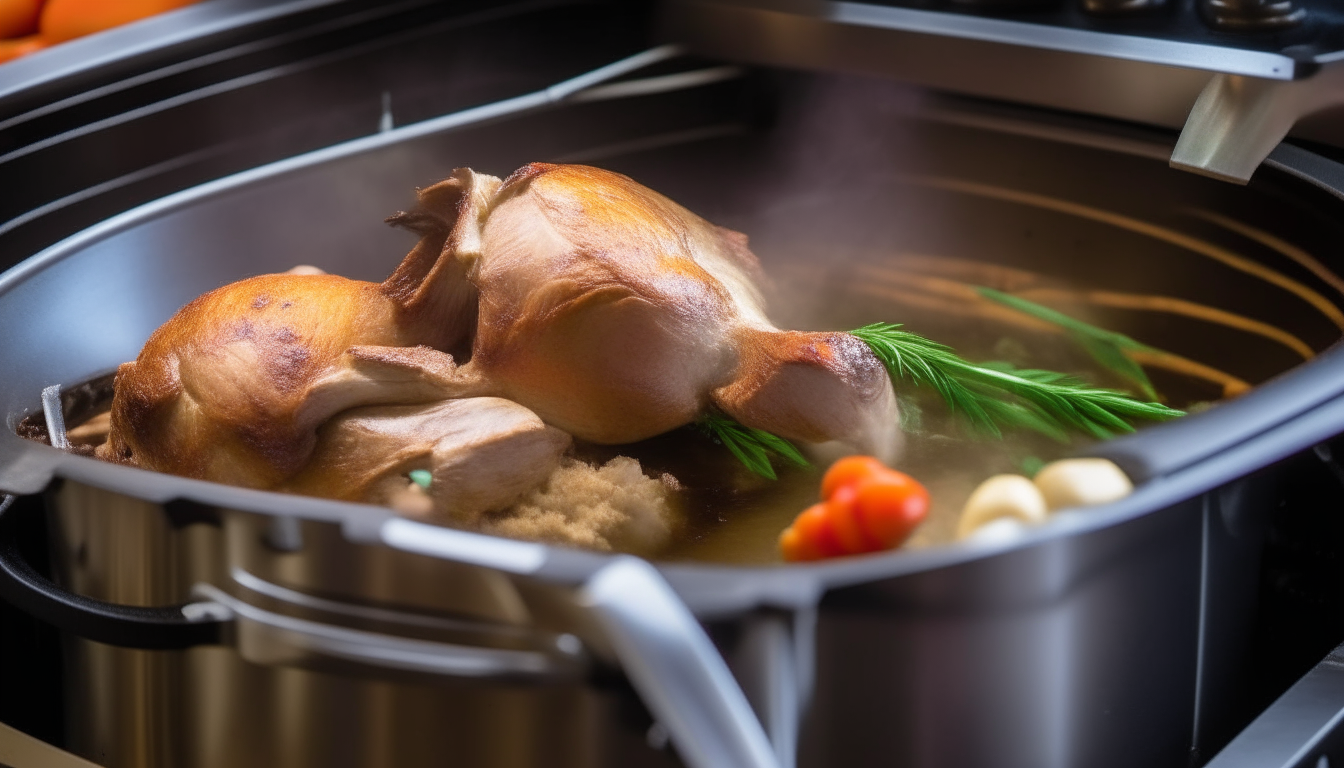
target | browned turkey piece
[{"x": 581, "y": 304}]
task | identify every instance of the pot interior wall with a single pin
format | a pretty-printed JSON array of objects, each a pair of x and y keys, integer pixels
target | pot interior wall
[
  {"x": 849, "y": 182},
  {"x": 865, "y": 202}
]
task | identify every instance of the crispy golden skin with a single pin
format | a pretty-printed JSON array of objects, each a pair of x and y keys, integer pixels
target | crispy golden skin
[
  {"x": 234, "y": 387},
  {"x": 608, "y": 310}
]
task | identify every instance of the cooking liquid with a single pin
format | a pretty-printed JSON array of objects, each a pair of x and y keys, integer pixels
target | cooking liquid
[
  {"x": 730, "y": 515},
  {"x": 734, "y": 516}
]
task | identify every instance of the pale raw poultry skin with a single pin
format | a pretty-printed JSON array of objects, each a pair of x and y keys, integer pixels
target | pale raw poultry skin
[{"x": 610, "y": 312}]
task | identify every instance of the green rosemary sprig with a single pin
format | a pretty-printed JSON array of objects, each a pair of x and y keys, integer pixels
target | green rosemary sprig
[
  {"x": 1106, "y": 347},
  {"x": 995, "y": 395},
  {"x": 752, "y": 447}
]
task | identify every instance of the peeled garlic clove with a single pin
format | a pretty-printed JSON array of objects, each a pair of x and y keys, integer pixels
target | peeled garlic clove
[
  {"x": 1082, "y": 483},
  {"x": 1002, "y": 496},
  {"x": 1000, "y": 530}
]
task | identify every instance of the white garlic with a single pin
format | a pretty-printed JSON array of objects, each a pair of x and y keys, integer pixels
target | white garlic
[
  {"x": 1000, "y": 530},
  {"x": 1082, "y": 483},
  {"x": 1001, "y": 496}
]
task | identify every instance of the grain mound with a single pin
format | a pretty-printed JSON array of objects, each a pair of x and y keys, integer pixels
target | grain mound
[{"x": 615, "y": 507}]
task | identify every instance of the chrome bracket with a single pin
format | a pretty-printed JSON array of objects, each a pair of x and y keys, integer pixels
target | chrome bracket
[{"x": 1238, "y": 120}]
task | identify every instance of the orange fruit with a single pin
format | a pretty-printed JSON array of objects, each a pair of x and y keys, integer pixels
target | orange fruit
[
  {"x": 19, "y": 17},
  {"x": 68, "y": 19},
  {"x": 20, "y": 46}
]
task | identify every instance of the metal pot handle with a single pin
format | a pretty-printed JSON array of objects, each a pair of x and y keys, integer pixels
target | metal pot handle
[
  {"x": 667, "y": 655},
  {"x": 1302, "y": 729},
  {"x": 19, "y": 750},
  {"x": 678, "y": 672},
  {"x": 130, "y": 626}
]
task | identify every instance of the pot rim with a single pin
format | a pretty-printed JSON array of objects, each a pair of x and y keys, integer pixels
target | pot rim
[{"x": 150, "y": 35}]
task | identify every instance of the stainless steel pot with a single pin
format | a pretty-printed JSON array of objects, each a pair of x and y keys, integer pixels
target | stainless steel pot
[{"x": 324, "y": 633}]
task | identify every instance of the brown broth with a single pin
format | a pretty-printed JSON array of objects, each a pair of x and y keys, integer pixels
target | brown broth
[
  {"x": 730, "y": 515},
  {"x": 733, "y": 517}
]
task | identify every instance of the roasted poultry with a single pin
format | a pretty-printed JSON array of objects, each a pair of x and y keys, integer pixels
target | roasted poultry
[{"x": 610, "y": 312}]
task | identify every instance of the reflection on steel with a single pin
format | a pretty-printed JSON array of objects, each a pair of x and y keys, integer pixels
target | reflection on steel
[
  {"x": 1173, "y": 53},
  {"x": 774, "y": 663},
  {"x": 464, "y": 547},
  {"x": 1188, "y": 242},
  {"x": 349, "y": 610},
  {"x": 1299, "y": 729},
  {"x": 678, "y": 672},
  {"x": 264, "y": 637},
  {"x": 1116, "y": 7},
  {"x": 51, "y": 410},
  {"x": 19, "y": 750},
  {"x": 1002, "y": 5},
  {"x": 1237, "y": 121},
  {"x": 1252, "y": 15}
]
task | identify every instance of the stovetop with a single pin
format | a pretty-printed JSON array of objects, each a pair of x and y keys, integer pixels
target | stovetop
[{"x": 1306, "y": 31}]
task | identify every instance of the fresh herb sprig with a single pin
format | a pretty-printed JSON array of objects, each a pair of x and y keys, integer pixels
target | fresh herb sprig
[
  {"x": 996, "y": 395},
  {"x": 1106, "y": 347},
  {"x": 752, "y": 447},
  {"x": 992, "y": 396}
]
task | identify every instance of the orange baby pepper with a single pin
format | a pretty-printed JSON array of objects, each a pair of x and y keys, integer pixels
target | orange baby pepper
[
  {"x": 848, "y": 471},
  {"x": 67, "y": 19},
  {"x": 19, "y": 17},
  {"x": 20, "y": 46},
  {"x": 867, "y": 508}
]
